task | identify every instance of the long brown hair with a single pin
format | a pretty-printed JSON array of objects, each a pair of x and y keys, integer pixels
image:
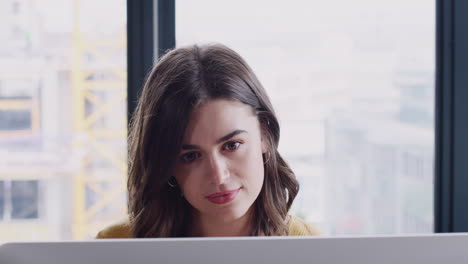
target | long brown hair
[{"x": 179, "y": 82}]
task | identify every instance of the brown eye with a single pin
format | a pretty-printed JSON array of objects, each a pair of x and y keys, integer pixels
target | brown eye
[
  {"x": 232, "y": 146},
  {"x": 189, "y": 157}
]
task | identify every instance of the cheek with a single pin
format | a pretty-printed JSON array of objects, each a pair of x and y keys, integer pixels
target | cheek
[
  {"x": 182, "y": 176},
  {"x": 192, "y": 183},
  {"x": 251, "y": 168},
  {"x": 188, "y": 182}
]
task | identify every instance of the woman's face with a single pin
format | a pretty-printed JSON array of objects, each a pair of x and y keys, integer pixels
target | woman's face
[{"x": 220, "y": 166}]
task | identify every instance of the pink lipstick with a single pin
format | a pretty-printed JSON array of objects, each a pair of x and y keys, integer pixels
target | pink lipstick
[{"x": 223, "y": 197}]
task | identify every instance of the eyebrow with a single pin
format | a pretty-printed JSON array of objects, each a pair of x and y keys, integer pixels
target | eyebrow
[{"x": 224, "y": 138}]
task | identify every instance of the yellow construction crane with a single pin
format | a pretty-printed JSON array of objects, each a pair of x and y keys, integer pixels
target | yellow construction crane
[
  {"x": 97, "y": 159},
  {"x": 99, "y": 129}
]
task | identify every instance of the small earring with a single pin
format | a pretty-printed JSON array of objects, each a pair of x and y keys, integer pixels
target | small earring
[{"x": 172, "y": 182}]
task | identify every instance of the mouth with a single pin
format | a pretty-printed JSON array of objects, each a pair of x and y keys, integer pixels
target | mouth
[{"x": 223, "y": 197}]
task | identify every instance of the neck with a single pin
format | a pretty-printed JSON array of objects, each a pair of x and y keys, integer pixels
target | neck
[{"x": 208, "y": 226}]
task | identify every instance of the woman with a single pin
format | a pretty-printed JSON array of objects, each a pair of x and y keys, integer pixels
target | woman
[{"x": 203, "y": 153}]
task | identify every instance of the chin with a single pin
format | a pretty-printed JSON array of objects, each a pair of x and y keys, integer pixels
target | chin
[{"x": 229, "y": 213}]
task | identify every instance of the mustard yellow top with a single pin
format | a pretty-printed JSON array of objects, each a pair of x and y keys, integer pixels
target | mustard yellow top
[{"x": 297, "y": 227}]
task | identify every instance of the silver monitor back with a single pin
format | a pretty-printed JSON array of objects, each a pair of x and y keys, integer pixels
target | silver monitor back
[{"x": 418, "y": 249}]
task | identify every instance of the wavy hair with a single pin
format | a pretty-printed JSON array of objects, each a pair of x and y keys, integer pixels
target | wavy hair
[{"x": 181, "y": 80}]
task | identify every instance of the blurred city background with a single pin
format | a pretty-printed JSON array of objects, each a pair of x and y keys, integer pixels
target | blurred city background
[{"x": 352, "y": 84}]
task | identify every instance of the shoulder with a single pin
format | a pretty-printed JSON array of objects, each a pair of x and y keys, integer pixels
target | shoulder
[
  {"x": 298, "y": 227},
  {"x": 118, "y": 230}
]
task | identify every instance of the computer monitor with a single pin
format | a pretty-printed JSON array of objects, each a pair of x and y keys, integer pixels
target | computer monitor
[{"x": 417, "y": 249}]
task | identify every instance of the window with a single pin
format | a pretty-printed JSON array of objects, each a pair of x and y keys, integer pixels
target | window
[
  {"x": 24, "y": 199},
  {"x": 15, "y": 120},
  {"x": 19, "y": 200},
  {"x": 62, "y": 118},
  {"x": 32, "y": 125},
  {"x": 354, "y": 91},
  {"x": 19, "y": 108}
]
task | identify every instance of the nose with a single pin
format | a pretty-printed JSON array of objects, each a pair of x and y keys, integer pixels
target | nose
[{"x": 218, "y": 170}]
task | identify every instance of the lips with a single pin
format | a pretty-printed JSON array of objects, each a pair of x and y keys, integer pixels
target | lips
[{"x": 223, "y": 197}]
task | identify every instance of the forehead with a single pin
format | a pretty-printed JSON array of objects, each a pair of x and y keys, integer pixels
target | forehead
[{"x": 216, "y": 118}]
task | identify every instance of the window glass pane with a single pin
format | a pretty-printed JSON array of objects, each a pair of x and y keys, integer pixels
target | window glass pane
[
  {"x": 24, "y": 199},
  {"x": 15, "y": 120},
  {"x": 63, "y": 116},
  {"x": 353, "y": 86}
]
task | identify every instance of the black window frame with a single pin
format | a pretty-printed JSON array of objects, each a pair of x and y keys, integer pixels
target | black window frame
[
  {"x": 451, "y": 147},
  {"x": 150, "y": 28},
  {"x": 450, "y": 168}
]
